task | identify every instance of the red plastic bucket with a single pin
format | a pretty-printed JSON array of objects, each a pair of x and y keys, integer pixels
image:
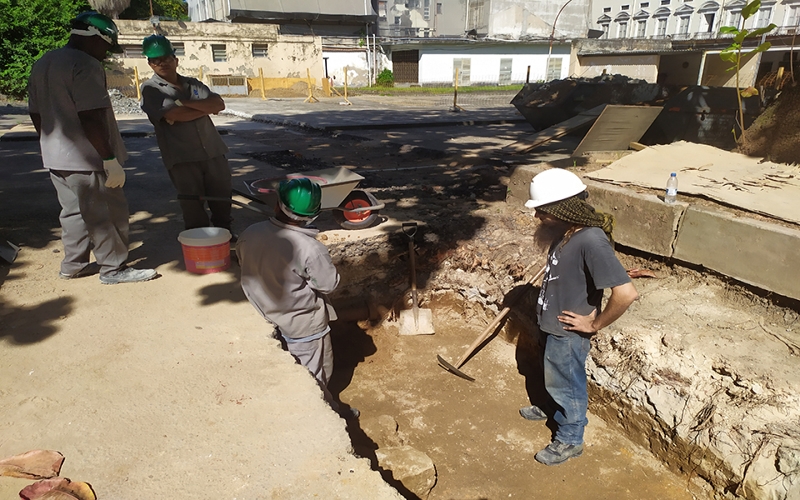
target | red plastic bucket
[{"x": 206, "y": 249}]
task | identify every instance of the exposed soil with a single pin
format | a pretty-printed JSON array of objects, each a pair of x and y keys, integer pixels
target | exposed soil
[
  {"x": 774, "y": 133},
  {"x": 472, "y": 250},
  {"x": 691, "y": 335}
]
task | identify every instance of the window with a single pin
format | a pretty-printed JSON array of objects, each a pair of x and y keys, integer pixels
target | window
[
  {"x": 426, "y": 10},
  {"x": 661, "y": 27},
  {"x": 735, "y": 19},
  {"x": 644, "y": 5},
  {"x": 707, "y": 23},
  {"x": 397, "y": 20},
  {"x": 764, "y": 14},
  {"x": 794, "y": 15},
  {"x": 219, "y": 53},
  {"x": 132, "y": 51},
  {"x": 179, "y": 49},
  {"x": 625, "y": 7},
  {"x": 438, "y": 8},
  {"x": 553, "y": 69},
  {"x": 683, "y": 25},
  {"x": 664, "y": 2},
  {"x": 382, "y": 10},
  {"x": 604, "y": 27},
  {"x": 606, "y": 10},
  {"x": 622, "y": 30},
  {"x": 260, "y": 50},
  {"x": 641, "y": 28}
]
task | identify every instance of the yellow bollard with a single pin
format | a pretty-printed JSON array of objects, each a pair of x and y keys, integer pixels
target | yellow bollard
[
  {"x": 201, "y": 74},
  {"x": 346, "y": 101},
  {"x": 310, "y": 97},
  {"x": 261, "y": 77},
  {"x": 136, "y": 78}
]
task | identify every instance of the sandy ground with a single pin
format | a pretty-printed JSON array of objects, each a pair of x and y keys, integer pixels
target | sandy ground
[{"x": 174, "y": 388}]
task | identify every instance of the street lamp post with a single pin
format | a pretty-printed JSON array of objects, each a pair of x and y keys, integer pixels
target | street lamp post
[{"x": 552, "y": 34}]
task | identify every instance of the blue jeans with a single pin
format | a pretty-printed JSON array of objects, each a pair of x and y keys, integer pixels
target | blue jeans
[{"x": 565, "y": 381}]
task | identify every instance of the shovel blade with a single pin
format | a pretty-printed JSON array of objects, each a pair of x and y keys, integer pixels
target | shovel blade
[
  {"x": 452, "y": 369},
  {"x": 421, "y": 325}
]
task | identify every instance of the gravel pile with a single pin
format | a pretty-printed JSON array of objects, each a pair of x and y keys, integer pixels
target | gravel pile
[{"x": 124, "y": 105}]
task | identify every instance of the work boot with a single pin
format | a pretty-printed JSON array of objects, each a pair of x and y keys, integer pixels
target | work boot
[
  {"x": 557, "y": 453},
  {"x": 128, "y": 275},
  {"x": 349, "y": 413},
  {"x": 532, "y": 412},
  {"x": 87, "y": 270}
]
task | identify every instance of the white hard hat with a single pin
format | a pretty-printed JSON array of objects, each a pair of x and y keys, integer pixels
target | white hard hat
[{"x": 553, "y": 185}]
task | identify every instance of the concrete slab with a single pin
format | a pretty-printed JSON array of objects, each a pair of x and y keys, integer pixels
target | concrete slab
[
  {"x": 643, "y": 221},
  {"x": 759, "y": 253}
]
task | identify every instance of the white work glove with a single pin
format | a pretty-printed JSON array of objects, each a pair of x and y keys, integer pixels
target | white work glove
[{"x": 116, "y": 176}]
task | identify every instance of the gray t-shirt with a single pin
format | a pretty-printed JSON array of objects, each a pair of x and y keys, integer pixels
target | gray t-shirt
[
  {"x": 63, "y": 83},
  {"x": 181, "y": 142},
  {"x": 575, "y": 277}
]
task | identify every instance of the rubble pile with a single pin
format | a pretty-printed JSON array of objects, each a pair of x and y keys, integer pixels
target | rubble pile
[
  {"x": 124, "y": 105},
  {"x": 773, "y": 135}
]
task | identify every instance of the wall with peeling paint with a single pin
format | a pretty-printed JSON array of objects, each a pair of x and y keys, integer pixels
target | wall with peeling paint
[
  {"x": 515, "y": 19},
  {"x": 288, "y": 56}
]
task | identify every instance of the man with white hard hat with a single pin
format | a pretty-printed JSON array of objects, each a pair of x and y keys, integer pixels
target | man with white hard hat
[
  {"x": 83, "y": 150},
  {"x": 580, "y": 264}
]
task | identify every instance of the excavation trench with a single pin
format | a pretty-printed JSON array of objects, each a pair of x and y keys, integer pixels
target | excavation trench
[{"x": 671, "y": 403}]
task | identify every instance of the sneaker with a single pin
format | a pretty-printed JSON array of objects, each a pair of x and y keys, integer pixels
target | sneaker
[
  {"x": 129, "y": 275},
  {"x": 532, "y": 413},
  {"x": 87, "y": 270},
  {"x": 557, "y": 453},
  {"x": 349, "y": 413}
]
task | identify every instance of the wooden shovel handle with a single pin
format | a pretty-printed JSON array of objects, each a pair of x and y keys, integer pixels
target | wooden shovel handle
[{"x": 496, "y": 321}]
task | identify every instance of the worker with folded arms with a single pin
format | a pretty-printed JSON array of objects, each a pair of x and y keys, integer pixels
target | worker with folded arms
[
  {"x": 191, "y": 148},
  {"x": 287, "y": 275},
  {"x": 83, "y": 150},
  {"x": 580, "y": 264}
]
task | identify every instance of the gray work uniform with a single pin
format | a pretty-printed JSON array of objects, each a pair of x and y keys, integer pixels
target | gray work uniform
[
  {"x": 63, "y": 83},
  {"x": 286, "y": 276},
  {"x": 193, "y": 151}
]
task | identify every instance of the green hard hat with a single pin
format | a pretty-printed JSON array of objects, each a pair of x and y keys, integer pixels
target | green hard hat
[
  {"x": 157, "y": 46},
  {"x": 94, "y": 23},
  {"x": 300, "y": 197}
]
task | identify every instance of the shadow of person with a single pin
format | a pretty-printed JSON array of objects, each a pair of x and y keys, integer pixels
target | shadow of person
[
  {"x": 351, "y": 345},
  {"x": 530, "y": 364}
]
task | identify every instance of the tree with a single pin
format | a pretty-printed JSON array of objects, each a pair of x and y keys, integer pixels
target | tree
[
  {"x": 111, "y": 8},
  {"x": 166, "y": 9},
  {"x": 733, "y": 54},
  {"x": 28, "y": 29}
]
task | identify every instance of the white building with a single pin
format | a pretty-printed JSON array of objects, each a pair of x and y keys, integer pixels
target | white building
[{"x": 693, "y": 28}]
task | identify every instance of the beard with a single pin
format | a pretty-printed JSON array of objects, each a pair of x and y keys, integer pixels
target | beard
[{"x": 546, "y": 235}]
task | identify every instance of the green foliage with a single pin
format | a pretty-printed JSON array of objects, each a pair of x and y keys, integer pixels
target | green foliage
[
  {"x": 733, "y": 53},
  {"x": 28, "y": 29},
  {"x": 176, "y": 10},
  {"x": 385, "y": 79}
]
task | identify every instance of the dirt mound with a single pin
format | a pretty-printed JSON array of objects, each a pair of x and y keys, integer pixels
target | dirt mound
[{"x": 774, "y": 134}]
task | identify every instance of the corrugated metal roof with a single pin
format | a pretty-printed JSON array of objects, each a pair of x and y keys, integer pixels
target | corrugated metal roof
[{"x": 308, "y": 10}]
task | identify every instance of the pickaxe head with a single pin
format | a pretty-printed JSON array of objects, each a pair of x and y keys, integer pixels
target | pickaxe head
[{"x": 452, "y": 369}]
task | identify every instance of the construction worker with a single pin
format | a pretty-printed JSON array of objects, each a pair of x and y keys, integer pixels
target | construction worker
[
  {"x": 83, "y": 150},
  {"x": 287, "y": 275},
  {"x": 191, "y": 148},
  {"x": 581, "y": 263}
]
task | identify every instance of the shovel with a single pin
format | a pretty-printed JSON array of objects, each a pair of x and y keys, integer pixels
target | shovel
[
  {"x": 416, "y": 321},
  {"x": 454, "y": 369}
]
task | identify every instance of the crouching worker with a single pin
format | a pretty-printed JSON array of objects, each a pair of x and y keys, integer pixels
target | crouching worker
[
  {"x": 287, "y": 275},
  {"x": 580, "y": 264}
]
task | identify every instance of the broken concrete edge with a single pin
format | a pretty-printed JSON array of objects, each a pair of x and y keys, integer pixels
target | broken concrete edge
[
  {"x": 757, "y": 253},
  {"x": 371, "y": 126}
]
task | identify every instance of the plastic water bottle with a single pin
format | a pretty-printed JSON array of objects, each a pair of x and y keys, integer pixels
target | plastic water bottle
[{"x": 672, "y": 189}]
